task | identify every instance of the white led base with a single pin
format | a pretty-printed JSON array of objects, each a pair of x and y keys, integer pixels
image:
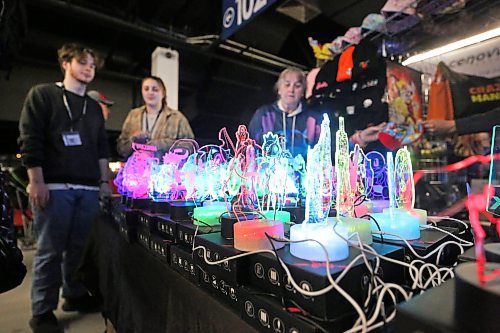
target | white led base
[
  {"x": 377, "y": 206},
  {"x": 398, "y": 222},
  {"x": 336, "y": 247},
  {"x": 421, "y": 214},
  {"x": 352, "y": 224}
]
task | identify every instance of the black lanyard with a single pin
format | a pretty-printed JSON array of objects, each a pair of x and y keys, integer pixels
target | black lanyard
[
  {"x": 145, "y": 121},
  {"x": 70, "y": 114}
]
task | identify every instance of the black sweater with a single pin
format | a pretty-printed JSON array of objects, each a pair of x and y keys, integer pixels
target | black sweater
[
  {"x": 269, "y": 118},
  {"x": 43, "y": 120},
  {"x": 482, "y": 122}
]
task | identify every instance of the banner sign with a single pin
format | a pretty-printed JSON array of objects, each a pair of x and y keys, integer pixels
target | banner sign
[
  {"x": 481, "y": 59},
  {"x": 237, "y": 13},
  {"x": 471, "y": 94}
]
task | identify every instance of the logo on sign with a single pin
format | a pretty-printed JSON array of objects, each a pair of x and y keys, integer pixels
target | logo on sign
[
  {"x": 228, "y": 17},
  {"x": 496, "y": 203},
  {"x": 237, "y": 13}
]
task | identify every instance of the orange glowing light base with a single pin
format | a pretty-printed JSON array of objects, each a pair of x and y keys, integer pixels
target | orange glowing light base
[{"x": 251, "y": 235}]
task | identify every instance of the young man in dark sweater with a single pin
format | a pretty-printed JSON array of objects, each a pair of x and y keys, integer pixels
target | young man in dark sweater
[{"x": 64, "y": 148}]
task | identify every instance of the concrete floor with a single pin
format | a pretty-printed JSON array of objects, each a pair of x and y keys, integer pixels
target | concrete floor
[{"x": 15, "y": 310}]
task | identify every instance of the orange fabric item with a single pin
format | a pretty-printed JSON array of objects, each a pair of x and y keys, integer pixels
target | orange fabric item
[
  {"x": 440, "y": 100},
  {"x": 345, "y": 65}
]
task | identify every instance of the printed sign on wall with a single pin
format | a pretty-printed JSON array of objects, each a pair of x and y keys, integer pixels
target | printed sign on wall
[
  {"x": 481, "y": 59},
  {"x": 237, "y": 13}
]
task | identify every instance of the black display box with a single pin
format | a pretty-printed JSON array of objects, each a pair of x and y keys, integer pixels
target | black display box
[
  {"x": 266, "y": 273},
  {"x": 186, "y": 231},
  {"x": 128, "y": 233},
  {"x": 182, "y": 262},
  {"x": 467, "y": 256},
  {"x": 219, "y": 287},
  {"x": 143, "y": 237},
  {"x": 267, "y": 314},
  {"x": 127, "y": 220},
  {"x": 160, "y": 248},
  {"x": 166, "y": 227},
  {"x": 181, "y": 210},
  {"x": 159, "y": 206},
  {"x": 234, "y": 271},
  {"x": 429, "y": 240},
  {"x": 429, "y": 312},
  {"x": 138, "y": 203},
  {"x": 148, "y": 220}
]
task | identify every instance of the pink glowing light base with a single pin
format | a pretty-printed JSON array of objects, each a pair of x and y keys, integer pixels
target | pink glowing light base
[{"x": 251, "y": 235}]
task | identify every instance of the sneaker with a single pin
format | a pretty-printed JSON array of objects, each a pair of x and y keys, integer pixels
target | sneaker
[
  {"x": 86, "y": 303},
  {"x": 45, "y": 323}
]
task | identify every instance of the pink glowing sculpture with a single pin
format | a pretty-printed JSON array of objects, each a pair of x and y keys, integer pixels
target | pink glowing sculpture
[
  {"x": 476, "y": 204},
  {"x": 137, "y": 170},
  {"x": 246, "y": 165},
  {"x": 167, "y": 180}
]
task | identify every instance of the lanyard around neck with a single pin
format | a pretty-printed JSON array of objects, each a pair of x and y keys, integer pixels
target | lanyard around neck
[
  {"x": 68, "y": 109},
  {"x": 146, "y": 122}
]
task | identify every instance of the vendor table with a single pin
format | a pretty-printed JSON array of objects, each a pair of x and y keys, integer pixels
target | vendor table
[{"x": 143, "y": 294}]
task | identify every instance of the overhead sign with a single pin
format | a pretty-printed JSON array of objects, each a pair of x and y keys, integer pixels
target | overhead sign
[
  {"x": 481, "y": 59},
  {"x": 237, "y": 13}
]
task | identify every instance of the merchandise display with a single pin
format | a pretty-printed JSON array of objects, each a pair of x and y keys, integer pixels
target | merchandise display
[
  {"x": 363, "y": 195},
  {"x": 227, "y": 232}
]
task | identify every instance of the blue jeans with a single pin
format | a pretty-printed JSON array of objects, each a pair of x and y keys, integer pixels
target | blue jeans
[{"x": 62, "y": 229}]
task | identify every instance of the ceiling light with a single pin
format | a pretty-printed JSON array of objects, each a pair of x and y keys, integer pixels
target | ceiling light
[{"x": 453, "y": 46}]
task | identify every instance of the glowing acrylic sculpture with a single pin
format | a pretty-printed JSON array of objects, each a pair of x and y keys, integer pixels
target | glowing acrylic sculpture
[
  {"x": 162, "y": 184},
  {"x": 210, "y": 167},
  {"x": 212, "y": 172},
  {"x": 377, "y": 171},
  {"x": 249, "y": 235},
  {"x": 137, "y": 170},
  {"x": 344, "y": 199},
  {"x": 276, "y": 183},
  {"x": 319, "y": 179},
  {"x": 493, "y": 200},
  {"x": 350, "y": 172},
  {"x": 405, "y": 186},
  {"x": 392, "y": 220},
  {"x": 166, "y": 181}
]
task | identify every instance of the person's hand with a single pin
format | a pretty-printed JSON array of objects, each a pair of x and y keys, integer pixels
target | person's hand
[
  {"x": 370, "y": 134},
  {"x": 38, "y": 194},
  {"x": 440, "y": 127},
  {"x": 105, "y": 190},
  {"x": 141, "y": 137}
]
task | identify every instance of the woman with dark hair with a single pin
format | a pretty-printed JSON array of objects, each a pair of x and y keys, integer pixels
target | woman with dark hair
[{"x": 153, "y": 123}]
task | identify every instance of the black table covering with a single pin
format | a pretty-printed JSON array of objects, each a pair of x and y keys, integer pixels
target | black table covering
[{"x": 142, "y": 294}]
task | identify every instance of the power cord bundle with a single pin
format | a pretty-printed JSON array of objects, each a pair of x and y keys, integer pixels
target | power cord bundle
[{"x": 422, "y": 276}]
